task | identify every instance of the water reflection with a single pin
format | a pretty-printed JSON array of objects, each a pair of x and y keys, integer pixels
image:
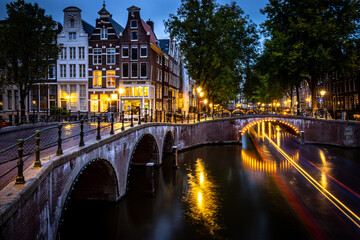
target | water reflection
[{"x": 201, "y": 198}]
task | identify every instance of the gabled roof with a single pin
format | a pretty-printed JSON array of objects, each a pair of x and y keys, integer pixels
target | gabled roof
[
  {"x": 164, "y": 45},
  {"x": 147, "y": 28},
  {"x": 117, "y": 27},
  {"x": 87, "y": 27},
  {"x": 103, "y": 11}
]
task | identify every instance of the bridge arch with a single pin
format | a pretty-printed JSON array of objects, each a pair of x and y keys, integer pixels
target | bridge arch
[
  {"x": 96, "y": 180},
  {"x": 168, "y": 142},
  {"x": 145, "y": 150},
  {"x": 287, "y": 125}
]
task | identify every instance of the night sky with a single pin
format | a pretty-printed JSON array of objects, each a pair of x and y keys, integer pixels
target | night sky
[{"x": 156, "y": 10}]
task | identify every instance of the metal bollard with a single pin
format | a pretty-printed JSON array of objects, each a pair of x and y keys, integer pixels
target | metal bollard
[
  {"x": 122, "y": 121},
  {"x": 151, "y": 115},
  {"x": 59, "y": 150},
  {"x": 81, "y": 143},
  {"x": 37, "y": 162},
  {"x": 20, "y": 164},
  {"x": 98, "y": 136},
  {"x": 150, "y": 186},
  {"x": 145, "y": 115},
  {"x": 112, "y": 124},
  {"x": 139, "y": 123},
  {"x": 132, "y": 119}
]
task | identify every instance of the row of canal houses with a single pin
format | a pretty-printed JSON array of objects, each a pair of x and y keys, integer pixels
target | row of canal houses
[{"x": 108, "y": 68}]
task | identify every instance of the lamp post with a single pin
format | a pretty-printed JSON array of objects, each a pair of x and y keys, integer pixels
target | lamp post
[
  {"x": 121, "y": 92},
  {"x": 322, "y": 93}
]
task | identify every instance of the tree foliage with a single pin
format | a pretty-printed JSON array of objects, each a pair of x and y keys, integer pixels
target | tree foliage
[
  {"x": 308, "y": 39},
  {"x": 27, "y": 46},
  {"x": 218, "y": 42}
]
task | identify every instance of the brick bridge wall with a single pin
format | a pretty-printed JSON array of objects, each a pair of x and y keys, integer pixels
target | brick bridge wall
[{"x": 33, "y": 210}]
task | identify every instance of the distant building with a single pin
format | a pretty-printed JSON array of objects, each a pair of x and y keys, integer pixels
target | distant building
[{"x": 72, "y": 65}]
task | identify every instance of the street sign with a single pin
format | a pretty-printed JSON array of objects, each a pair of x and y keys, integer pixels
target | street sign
[
  {"x": 201, "y": 101},
  {"x": 321, "y": 100}
]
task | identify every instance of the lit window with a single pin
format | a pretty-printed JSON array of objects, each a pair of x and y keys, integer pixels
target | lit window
[
  {"x": 110, "y": 79},
  {"x": 97, "y": 79}
]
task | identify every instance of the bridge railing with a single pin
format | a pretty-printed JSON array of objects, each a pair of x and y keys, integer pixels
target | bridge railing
[{"x": 51, "y": 140}]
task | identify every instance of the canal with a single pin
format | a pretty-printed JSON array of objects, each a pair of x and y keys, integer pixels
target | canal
[{"x": 251, "y": 191}]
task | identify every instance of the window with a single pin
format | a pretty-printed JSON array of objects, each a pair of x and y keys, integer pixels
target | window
[
  {"x": 72, "y": 53},
  {"x": 160, "y": 76},
  {"x": 94, "y": 104},
  {"x": 125, "y": 70},
  {"x": 97, "y": 79},
  {"x": 125, "y": 51},
  {"x": 143, "y": 69},
  {"x": 157, "y": 58},
  {"x": 63, "y": 92},
  {"x": 82, "y": 70},
  {"x": 52, "y": 71},
  {"x": 81, "y": 52},
  {"x": 110, "y": 79},
  {"x": 72, "y": 36},
  {"x": 97, "y": 56},
  {"x": 72, "y": 22},
  {"x": 73, "y": 97},
  {"x": 63, "y": 53},
  {"x": 146, "y": 91},
  {"x": 110, "y": 56},
  {"x": 104, "y": 33},
  {"x": 72, "y": 70},
  {"x": 134, "y": 70},
  {"x": 63, "y": 70},
  {"x": 134, "y": 53},
  {"x": 134, "y": 36},
  {"x": 157, "y": 74},
  {"x": 133, "y": 23},
  {"x": 143, "y": 51}
]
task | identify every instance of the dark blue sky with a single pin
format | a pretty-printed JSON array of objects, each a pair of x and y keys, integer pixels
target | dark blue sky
[{"x": 156, "y": 10}]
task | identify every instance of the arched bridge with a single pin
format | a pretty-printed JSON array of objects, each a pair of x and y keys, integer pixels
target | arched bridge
[{"x": 99, "y": 170}]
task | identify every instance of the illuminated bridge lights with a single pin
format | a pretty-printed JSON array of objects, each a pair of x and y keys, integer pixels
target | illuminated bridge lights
[
  {"x": 286, "y": 124},
  {"x": 320, "y": 187}
]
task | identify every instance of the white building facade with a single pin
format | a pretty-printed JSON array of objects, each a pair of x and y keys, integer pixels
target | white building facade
[{"x": 72, "y": 65}]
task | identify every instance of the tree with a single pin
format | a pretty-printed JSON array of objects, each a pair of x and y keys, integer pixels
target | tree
[
  {"x": 218, "y": 42},
  {"x": 320, "y": 35},
  {"x": 27, "y": 47}
]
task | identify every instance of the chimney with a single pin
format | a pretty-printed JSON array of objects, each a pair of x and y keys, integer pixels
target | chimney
[{"x": 151, "y": 24}]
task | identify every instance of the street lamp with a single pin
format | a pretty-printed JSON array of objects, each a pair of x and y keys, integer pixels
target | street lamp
[{"x": 121, "y": 92}]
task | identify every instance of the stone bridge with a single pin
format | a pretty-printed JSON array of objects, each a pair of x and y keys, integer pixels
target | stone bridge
[{"x": 99, "y": 170}]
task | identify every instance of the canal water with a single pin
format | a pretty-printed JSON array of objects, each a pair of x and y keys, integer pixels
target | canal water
[{"x": 229, "y": 192}]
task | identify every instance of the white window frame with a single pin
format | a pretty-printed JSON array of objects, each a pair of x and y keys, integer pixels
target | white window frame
[
  {"x": 142, "y": 76},
  {"x": 104, "y": 33},
  {"x": 81, "y": 52},
  {"x": 137, "y": 70},
  {"x": 72, "y": 52},
  {"x": 141, "y": 48},
  {"x": 122, "y": 51},
  {"x": 137, "y": 36},
  {"x": 73, "y": 70},
  {"x": 132, "y": 21},
  {"x": 63, "y": 70},
  {"x": 107, "y": 76},
  {"x": 63, "y": 53},
  {"x": 72, "y": 36},
  {"x": 82, "y": 72},
  {"x": 109, "y": 55},
  {"x": 97, "y": 56}
]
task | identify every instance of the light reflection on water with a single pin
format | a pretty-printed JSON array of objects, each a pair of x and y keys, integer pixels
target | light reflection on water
[{"x": 202, "y": 198}]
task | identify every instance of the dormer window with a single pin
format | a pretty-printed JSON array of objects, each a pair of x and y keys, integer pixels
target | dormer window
[
  {"x": 134, "y": 36},
  {"x": 133, "y": 23},
  {"x": 104, "y": 33},
  {"x": 72, "y": 22}
]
